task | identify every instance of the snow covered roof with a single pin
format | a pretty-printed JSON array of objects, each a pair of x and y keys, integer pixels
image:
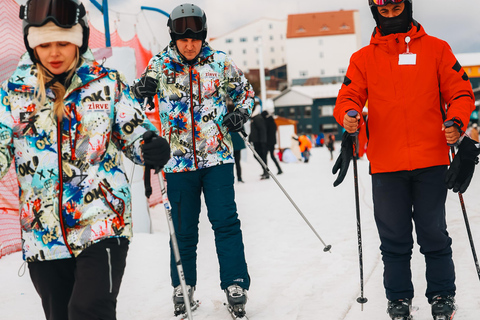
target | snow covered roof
[
  {"x": 304, "y": 95},
  {"x": 468, "y": 59}
]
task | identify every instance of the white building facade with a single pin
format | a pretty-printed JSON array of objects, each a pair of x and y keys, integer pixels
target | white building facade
[
  {"x": 319, "y": 45},
  {"x": 244, "y": 45}
]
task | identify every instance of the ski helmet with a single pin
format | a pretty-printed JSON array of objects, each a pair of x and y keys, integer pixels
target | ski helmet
[
  {"x": 187, "y": 21},
  {"x": 374, "y": 4},
  {"x": 63, "y": 13}
]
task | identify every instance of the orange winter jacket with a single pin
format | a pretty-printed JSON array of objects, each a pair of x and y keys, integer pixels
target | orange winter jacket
[{"x": 407, "y": 104}]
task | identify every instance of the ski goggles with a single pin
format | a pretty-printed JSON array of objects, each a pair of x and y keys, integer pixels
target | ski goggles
[
  {"x": 381, "y": 3},
  {"x": 64, "y": 13},
  {"x": 181, "y": 25}
]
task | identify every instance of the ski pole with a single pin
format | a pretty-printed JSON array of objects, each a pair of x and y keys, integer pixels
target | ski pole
[
  {"x": 361, "y": 299},
  {"x": 464, "y": 211},
  {"x": 265, "y": 167},
  {"x": 147, "y": 136}
]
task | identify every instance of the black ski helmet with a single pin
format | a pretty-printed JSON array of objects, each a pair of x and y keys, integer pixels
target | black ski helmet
[
  {"x": 187, "y": 21},
  {"x": 63, "y": 13},
  {"x": 374, "y": 4}
]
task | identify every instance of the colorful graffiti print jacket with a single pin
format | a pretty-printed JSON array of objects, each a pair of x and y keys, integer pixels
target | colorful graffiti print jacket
[
  {"x": 73, "y": 193},
  {"x": 192, "y": 105}
]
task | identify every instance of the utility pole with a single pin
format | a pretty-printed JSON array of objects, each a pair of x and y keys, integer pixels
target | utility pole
[{"x": 104, "y": 9}]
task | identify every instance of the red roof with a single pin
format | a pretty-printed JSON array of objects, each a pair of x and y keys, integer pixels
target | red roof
[{"x": 320, "y": 24}]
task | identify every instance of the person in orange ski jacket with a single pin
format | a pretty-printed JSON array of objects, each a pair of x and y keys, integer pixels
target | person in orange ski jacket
[
  {"x": 413, "y": 84},
  {"x": 305, "y": 146}
]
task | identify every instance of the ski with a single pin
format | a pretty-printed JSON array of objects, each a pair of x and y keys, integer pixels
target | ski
[
  {"x": 237, "y": 312},
  {"x": 444, "y": 317},
  {"x": 181, "y": 313}
]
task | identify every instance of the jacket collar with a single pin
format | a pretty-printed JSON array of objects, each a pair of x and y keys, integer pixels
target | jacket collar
[{"x": 415, "y": 31}]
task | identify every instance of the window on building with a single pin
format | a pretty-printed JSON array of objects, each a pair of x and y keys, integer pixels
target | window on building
[
  {"x": 325, "y": 28},
  {"x": 229, "y": 40},
  {"x": 327, "y": 110},
  {"x": 229, "y": 52},
  {"x": 272, "y": 49},
  {"x": 303, "y": 73},
  {"x": 328, "y": 128},
  {"x": 243, "y": 39},
  {"x": 271, "y": 37},
  {"x": 270, "y": 26},
  {"x": 308, "y": 112},
  {"x": 281, "y": 112},
  {"x": 258, "y": 62},
  {"x": 244, "y": 51},
  {"x": 300, "y": 30},
  {"x": 322, "y": 71},
  {"x": 342, "y": 70},
  {"x": 272, "y": 61},
  {"x": 281, "y": 37},
  {"x": 321, "y": 55},
  {"x": 244, "y": 63},
  {"x": 291, "y": 112},
  {"x": 320, "y": 42},
  {"x": 309, "y": 128},
  {"x": 256, "y": 38},
  {"x": 344, "y": 27},
  {"x": 320, "y": 111}
]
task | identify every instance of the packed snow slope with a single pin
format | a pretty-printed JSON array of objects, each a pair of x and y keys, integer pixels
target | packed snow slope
[{"x": 292, "y": 278}]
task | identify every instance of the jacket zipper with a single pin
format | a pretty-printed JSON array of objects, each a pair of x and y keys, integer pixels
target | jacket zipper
[
  {"x": 60, "y": 172},
  {"x": 193, "y": 119},
  {"x": 60, "y": 195}
]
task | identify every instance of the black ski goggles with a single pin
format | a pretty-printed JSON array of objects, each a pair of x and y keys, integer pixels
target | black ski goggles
[
  {"x": 63, "y": 13},
  {"x": 381, "y": 3},
  {"x": 181, "y": 25}
]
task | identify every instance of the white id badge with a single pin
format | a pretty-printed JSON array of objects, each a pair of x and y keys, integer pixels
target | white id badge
[{"x": 407, "y": 59}]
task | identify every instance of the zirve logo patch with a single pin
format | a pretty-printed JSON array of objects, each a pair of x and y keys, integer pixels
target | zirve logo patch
[{"x": 97, "y": 106}]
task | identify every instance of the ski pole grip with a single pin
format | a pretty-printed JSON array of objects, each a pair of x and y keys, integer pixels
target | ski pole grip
[
  {"x": 448, "y": 124},
  {"x": 353, "y": 114}
]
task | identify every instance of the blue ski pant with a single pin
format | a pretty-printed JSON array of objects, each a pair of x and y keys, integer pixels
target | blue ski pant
[
  {"x": 413, "y": 198},
  {"x": 184, "y": 192}
]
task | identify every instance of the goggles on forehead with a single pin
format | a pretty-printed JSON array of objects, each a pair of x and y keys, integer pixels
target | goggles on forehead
[
  {"x": 181, "y": 25},
  {"x": 384, "y": 2},
  {"x": 63, "y": 13}
]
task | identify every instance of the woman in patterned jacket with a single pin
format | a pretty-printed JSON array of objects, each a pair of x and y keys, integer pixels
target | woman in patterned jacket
[{"x": 64, "y": 121}]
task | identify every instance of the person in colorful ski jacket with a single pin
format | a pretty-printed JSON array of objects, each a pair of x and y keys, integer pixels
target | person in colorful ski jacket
[
  {"x": 192, "y": 82},
  {"x": 413, "y": 84},
  {"x": 65, "y": 122}
]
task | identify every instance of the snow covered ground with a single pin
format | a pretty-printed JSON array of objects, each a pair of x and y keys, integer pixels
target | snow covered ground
[{"x": 292, "y": 278}]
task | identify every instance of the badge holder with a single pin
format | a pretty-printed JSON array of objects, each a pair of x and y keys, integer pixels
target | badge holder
[{"x": 408, "y": 58}]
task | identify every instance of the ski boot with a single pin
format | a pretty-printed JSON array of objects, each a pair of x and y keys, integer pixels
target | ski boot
[
  {"x": 178, "y": 302},
  {"x": 443, "y": 307},
  {"x": 236, "y": 298},
  {"x": 400, "y": 309}
]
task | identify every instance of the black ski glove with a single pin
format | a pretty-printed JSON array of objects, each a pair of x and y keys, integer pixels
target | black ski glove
[
  {"x": 343, "y": 160},
  {"x": 235, "y": 120},
  {"x": 156, "y": 151},
  {"x": 462, "y": 167},
  {"x": 146, "y": 87}
]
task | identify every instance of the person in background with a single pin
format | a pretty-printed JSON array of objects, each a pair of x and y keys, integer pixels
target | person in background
[
  {"x": 258, "y": 136},
  {"x": 65, "y": 121},
  {"x": 409, "y": 78},
  {"x": 331, "y": 145},
  {"x": 271, "y": 138},
  {"x": 238, "y": 146},
  {"x": 305, "y": 146},
  {"x": 192, "y": 82}
]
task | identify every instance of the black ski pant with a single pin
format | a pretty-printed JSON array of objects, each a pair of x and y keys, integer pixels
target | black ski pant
[
  {"x": 271, "y": 151},
  {"x": 85, "y": 287},
  {"x": 261, "y": 149},
  {"x": 238, "y": 167},
  {"x": 419, "y": 196}
]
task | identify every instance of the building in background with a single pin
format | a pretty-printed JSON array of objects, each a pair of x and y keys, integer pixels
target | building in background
[
  {"x": 243, "y": 44},
  {"x": 319, "y": 46},
  {"x": 311, "y": 106}
]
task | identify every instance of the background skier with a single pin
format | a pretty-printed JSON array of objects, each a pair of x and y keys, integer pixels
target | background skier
[
  {"x": 413, "y": 83},
  {"x": 192, "y": 82}
]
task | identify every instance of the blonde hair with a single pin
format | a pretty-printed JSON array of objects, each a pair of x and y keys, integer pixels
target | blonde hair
[{"x": 43, "y": 77}]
